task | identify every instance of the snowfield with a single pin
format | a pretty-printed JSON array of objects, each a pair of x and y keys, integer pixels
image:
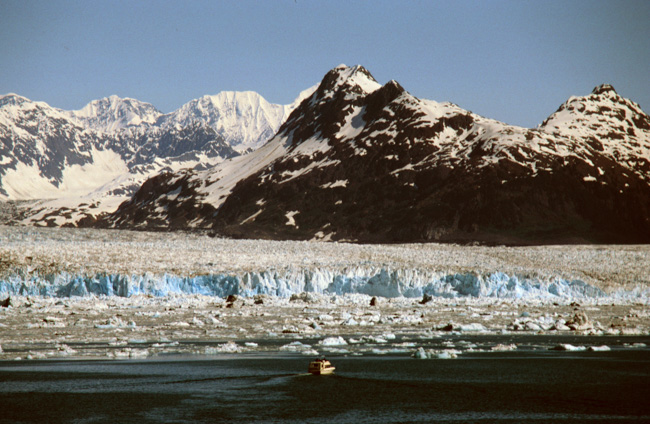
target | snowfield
[{"x": 110, "y": 293}]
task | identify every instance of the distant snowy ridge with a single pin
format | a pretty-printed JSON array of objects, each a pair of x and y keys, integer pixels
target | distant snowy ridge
[
  {"x": 114, "y": 113},
  {"x": 381, "y": 282},
  {"x": 244, "y": 119},
  {"x": 76, "y": 165}
]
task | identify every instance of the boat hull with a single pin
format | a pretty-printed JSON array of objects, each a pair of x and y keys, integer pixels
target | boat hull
[
  {"x": 321, "y": 367},
  {"x": 324, "y": 371}
]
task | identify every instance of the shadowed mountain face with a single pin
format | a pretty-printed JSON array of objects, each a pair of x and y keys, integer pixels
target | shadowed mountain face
[{"x": 371, "y": 163}]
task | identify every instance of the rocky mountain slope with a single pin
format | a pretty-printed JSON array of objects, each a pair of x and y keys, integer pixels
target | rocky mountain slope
[{"x": 369, "y": 162}]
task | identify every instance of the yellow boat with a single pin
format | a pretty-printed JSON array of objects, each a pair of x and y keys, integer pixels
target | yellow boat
[{"x": 321, "y": 367}]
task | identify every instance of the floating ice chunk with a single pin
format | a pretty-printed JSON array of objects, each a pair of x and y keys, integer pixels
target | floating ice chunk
[
  {"x": 471, "y": 327},
  {"x": 177, "y": 324},
  {"x": 569, "y": 347},
  {"x": 336, "y": 350},
  {"x": 420, "y": 353},
  {"x": 532, "y": 326},
  {"x": 128, "y": 353},
  {"x": 504, "y": 348},
  {"x": 373, "y": 339},
  {"x": 310, "y": 352},
  {"x": 251, "y": 344},
  {"x": 599, "y": 348},
  {"x": 228, "y": 347},
  {"x": 467, "y": 344},
  {"x": 560, "y": 326},
  {"x": 333, "y": 341},
  {"x": 115, "y": 322},
  {"x": 35, "y": 355},
  {"x": 165, "y": 344},
  {"x": 65, "y": 350},
  {"x": 350, "y": 322},
  {"x": 446, "y": 354},
  {"x": 295, "y": 346},
  {"x": 139, "y": 353}
]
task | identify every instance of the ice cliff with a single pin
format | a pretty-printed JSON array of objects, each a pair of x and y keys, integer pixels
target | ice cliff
[{"x": 380, "y": 282}]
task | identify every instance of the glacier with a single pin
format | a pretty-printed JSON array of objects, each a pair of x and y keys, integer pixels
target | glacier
[{"x": 380, "y": 282}]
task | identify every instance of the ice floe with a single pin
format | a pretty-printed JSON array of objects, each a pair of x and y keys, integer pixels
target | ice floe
[
  {"x": 333, "y": 341},
  {"x": 421, "y": 353}
]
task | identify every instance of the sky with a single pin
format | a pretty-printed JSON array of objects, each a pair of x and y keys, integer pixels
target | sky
[{"x": 515, "y": 61}]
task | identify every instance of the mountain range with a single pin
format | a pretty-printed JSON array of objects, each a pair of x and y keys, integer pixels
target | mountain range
[
  {"x": 359, "y": 161},
  {"x": 76, "y": 164}
]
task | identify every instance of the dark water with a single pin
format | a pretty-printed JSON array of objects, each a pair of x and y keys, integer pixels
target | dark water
[{"x": 510, "y": 387}]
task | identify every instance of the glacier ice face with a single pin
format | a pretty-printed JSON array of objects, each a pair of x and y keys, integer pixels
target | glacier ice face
[{"x": 383, "y": 282}]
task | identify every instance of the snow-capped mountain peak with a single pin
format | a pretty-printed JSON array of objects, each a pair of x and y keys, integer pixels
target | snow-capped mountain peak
[
  {"x": 114, "y": 113},
  {"x": 604, "y": 88},
  {"x": 21, "y": 116},
  {"x": 354, "y": 80},
  {"x": 12, "y": 99},
  {"x": 243, "y": 118},
  {"x": 612, "y": 124}
]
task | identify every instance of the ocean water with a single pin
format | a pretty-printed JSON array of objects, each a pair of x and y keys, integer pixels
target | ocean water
[{"x": 495, "y": 387}]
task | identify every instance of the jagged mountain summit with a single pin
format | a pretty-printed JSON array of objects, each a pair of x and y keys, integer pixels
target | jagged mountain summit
[
  {"x": 609, "y": 123},
  {"x": 114, "y": 113},
  {"x": 368, "y": 162},
  {"x": 227, "y": 111}
]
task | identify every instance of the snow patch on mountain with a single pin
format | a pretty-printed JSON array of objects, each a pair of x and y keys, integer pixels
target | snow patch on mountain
[
  {"x": 220, "y": 180},
  {"x": 26, "y": 181}
]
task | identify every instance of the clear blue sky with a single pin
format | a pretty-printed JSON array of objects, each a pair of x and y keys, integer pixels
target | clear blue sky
[{"x": 515, "y": 61}]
